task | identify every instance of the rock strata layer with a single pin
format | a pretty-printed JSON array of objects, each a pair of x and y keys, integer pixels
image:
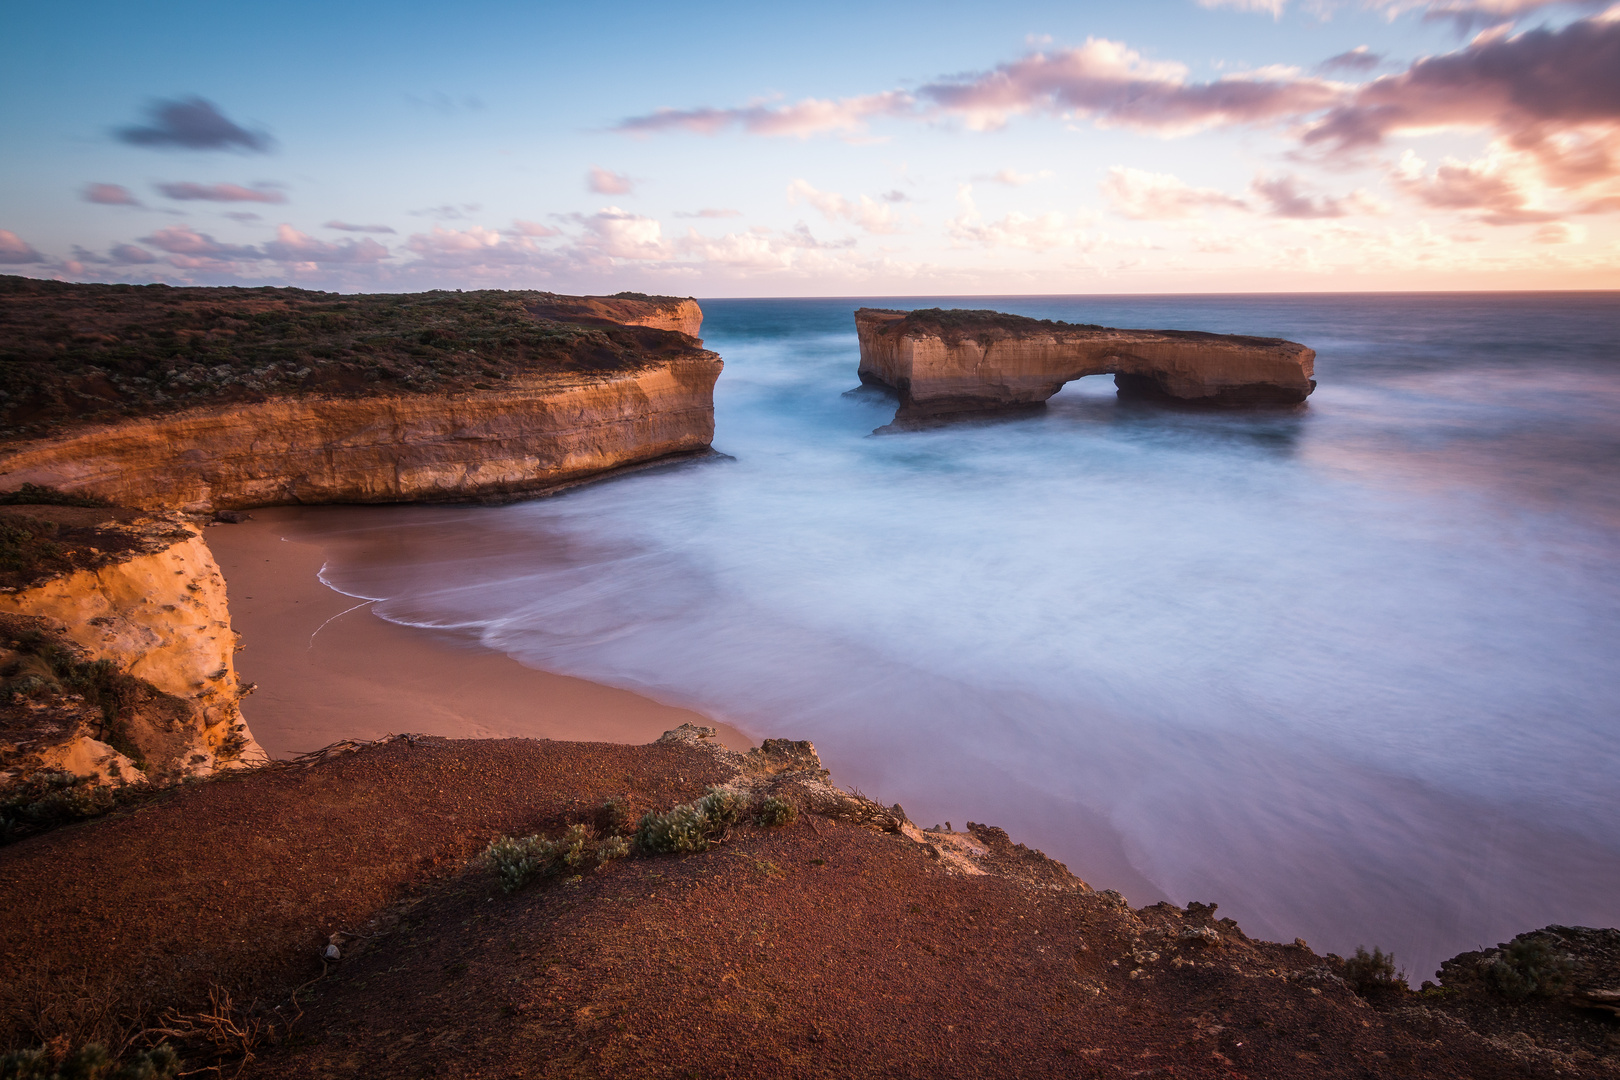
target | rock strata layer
[
  {"x": 534, "y": 432},
  {"x": 120, "y": 667},
  {"x": 959, "y": 361}
]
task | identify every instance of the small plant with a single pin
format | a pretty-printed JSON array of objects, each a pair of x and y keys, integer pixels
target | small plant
[
  {"x": 40, "y": 495},
  {"x": 777, "y": 811},
  {"x": 90, "y": 1062},
  {"x": 50, "y": 798},
  {"x": 518, "y": 860},
  {"x": 1366, "y": 972},
  {"x": 616, "y": 818},
  {"x": 1527, "y": 967},
  {"x": 690, "y": 826}
]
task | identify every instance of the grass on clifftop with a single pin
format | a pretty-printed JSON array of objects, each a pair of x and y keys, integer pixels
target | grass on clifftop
[{"x": 78, "y": 353}]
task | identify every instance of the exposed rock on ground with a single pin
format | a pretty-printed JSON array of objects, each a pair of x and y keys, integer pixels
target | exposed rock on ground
[
  {"x": 844, "y": 944},
  {"x": 116, "y": 651},
  {"x": 206, "y": 399},
  {"x": 943, "y": 361}
]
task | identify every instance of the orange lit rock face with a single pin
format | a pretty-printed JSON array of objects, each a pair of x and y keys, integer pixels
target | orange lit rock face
[
  {"x": 658, "y": 312},
  {"x": 956, "y": 361},
  {"x": 530, "y": 434}
]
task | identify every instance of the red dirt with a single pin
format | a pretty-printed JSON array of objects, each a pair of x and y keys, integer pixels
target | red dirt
[{"x": 820, "y": 949}]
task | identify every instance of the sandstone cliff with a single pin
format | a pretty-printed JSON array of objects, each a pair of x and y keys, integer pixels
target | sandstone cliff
[
  {"x": 951, "y": 361},
  {"x": 203, "y": 399},
  {"x": 117, "y": 655},
  {"x": 533, "y": 433}
]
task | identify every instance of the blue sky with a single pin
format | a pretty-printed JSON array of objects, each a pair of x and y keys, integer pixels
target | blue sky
[{"x": 732, "y": 149}]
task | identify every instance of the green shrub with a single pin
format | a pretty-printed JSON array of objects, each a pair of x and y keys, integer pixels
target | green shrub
[
  {"x": 51, "y": 798},
  {"x": 1376, "y": 971},
  {"x": 776, "y": 811},
  {"x": 616, "y": 818},
  {"x": 519, "y": 860},
  {"x": 690, "y": 826},
  {"x": 40, "y": 495},
  {"x": 1527, "y": 967},
  {"x": 90, "y": 1062},
  {"x": 26, "y": 545}
]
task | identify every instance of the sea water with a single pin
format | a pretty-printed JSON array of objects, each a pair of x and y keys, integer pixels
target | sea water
[{"x": 1350, "y": 670}]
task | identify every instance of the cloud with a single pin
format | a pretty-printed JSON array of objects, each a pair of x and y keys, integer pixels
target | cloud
[
  {"x": 1148, "y": 196},
  {"x": 1287, "y": 201},
  {"x": 865, "y": 211},
  {"x": 1274, "y": 8},
  {"x": 607, "y": 182},
  {"x": 1554, "y": 94},
  {"x": 708, "y": 212},
  {"x": 185, "y": 241},
  {"x": 1012, "y": 177},
  {"x": 1558, "y": 232},
  {"x": 1038, "y": 232},
  {"x": 530, "y": 228},
  {"x": 812, "y": 116},
  {"x": 1469, "y": 14},
  {"x": 1115, "y": 86},
  {"x": 242, "y": 215},
  {"x": 1357, "y": 60},
  {"x": 15, "y": 251},
  {"x": 190, "y": 192},
  {"x": 192, "y": 124},
  {"x": 292, "y": 246},
  {"x": 129, "y": 253},
  {"x": 447, "y": 211},
  {"x": 110, "y": 195},
  {"x": 622, "y": 235},
  {"x": 344, "y": 226},
  {"x": 1495, "y": 187}
]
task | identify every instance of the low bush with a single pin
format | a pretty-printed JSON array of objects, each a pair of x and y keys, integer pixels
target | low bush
[
  {"x": 1527, "y": 967},
  {"x": 40, "y": 495},
  {"x": 50, "y": 798},
  {"x": 777, "y": 811},
  {"x": 519, "y": 860},
  {"x": 90, "y": 1062},
  {"x": 691, "y": 826},
  {"x": 1366, "y": 972}
]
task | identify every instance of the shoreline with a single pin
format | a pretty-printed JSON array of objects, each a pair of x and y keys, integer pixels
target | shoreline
[{"x": 326, "y": 669}]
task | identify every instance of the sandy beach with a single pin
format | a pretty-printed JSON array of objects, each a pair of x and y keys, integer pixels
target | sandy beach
[{"x": 327, "y": 669}]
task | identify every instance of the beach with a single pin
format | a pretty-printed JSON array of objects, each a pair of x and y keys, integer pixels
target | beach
[{"x": 327, "y": 669}]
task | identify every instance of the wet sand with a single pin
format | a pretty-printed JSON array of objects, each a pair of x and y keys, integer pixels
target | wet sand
[{"x": 328, "y": 669}]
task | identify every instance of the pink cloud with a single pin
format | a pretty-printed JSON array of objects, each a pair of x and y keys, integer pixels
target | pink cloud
[
  {"x": 110, "y": 195},
  {"x": 15, "y": 251},
  {"x": 812, "y": 116},
  {"x": 1554, "y": 94},
  {"x": 1288, "y": 201},
  {"x": 188, "y": 191},
  {"x": 533, "y": 228},
  {"x": 183, "y": 240},
  {"x": 709, "y": 212},
  {"x": 290, "y": 245},
  {"x": 863, "y": 211},
  {"x": 607, "y": 182},
  {"x": 1149, "y": 196},
  {"x": 129, "y": 253},
  {"x": 344, "y": 226}
]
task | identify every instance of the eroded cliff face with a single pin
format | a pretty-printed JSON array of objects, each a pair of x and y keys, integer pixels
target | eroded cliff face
[
  {"x": 121, "y": 668},
  {"x": 956, "y": 361},
  {"x": 532, "y": 433},
  {"x": 658, "y": 312}
]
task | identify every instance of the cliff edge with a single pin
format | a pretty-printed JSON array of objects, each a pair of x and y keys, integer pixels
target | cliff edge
[
  {"x": 944, "y": 361},
  {"x": 206, "y": 399}
]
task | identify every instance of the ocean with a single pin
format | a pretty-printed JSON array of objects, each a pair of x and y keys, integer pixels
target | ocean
[{"x": 1350, "y": 670}]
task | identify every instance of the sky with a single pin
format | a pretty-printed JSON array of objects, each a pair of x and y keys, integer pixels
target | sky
[{"x": 834, "y": 149}]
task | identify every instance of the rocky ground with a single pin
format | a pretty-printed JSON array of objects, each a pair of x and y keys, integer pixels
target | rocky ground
[{"x": 846, "y": 943}]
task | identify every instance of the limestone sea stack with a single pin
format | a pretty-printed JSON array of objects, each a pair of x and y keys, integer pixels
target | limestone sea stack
[
  {"x": 944, "y": 361},
  {"x": 202, "y": 399}
]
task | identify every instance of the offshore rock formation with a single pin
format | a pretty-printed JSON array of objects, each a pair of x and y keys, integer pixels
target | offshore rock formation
[
  {"x": 959, "y": 361},
  {"x": 116, "y": 653},
  {"x": 533, "y": 433}
]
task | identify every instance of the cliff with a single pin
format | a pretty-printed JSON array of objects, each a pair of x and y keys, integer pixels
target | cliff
[
  {"x": 205, "y": 399},
  {"x": 354, "y": 928},
  {"x": 116, "y": 650},
  {"x": 952, "y": 361}
]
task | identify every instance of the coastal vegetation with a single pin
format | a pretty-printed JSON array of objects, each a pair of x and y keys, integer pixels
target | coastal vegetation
[{"x": 72, "y": 353}]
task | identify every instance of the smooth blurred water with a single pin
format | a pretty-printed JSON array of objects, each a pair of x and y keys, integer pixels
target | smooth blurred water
[{"x": 1349, "y": 670}]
